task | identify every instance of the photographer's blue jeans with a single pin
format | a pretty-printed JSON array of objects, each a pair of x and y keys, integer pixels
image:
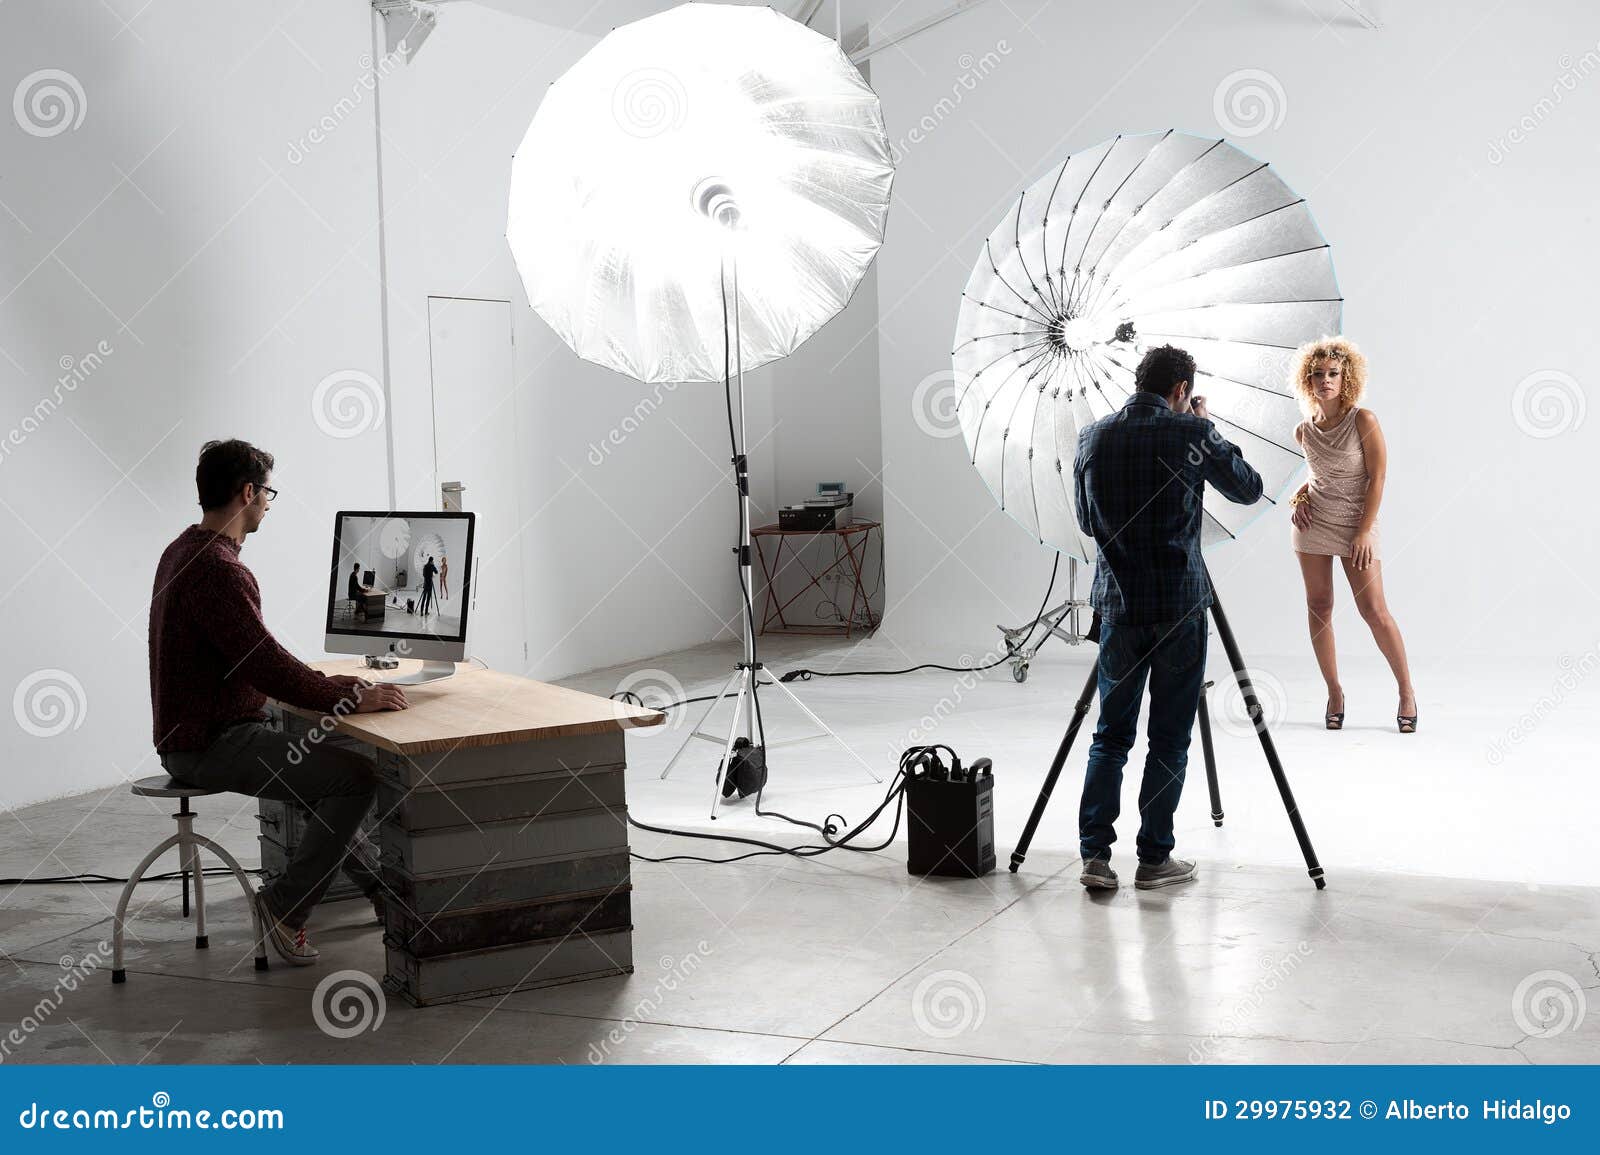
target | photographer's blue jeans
[{"x": 1171, "y": 656}]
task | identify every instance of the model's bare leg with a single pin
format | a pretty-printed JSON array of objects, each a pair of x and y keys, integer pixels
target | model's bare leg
[
  {"x": 1317, "y": 571},
  {"x": 1367, "y": 586}
]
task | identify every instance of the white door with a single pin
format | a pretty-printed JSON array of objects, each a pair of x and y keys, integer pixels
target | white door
[{"x": 475, "y": 443}]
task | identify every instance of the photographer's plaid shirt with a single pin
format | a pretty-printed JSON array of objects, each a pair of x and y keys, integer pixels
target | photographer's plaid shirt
[{"x": 1137, "y": 479}]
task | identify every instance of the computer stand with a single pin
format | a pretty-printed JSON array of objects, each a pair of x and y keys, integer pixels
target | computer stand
[
  {"x": 1258, "y": 717},
  {"x": 432, "y": 671}
]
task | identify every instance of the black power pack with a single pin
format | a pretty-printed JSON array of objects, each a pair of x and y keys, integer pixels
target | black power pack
[{"x": 950, "y": 818}]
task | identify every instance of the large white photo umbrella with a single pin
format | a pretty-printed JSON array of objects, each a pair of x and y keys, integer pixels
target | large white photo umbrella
[{"x": 1146, "y": 240}]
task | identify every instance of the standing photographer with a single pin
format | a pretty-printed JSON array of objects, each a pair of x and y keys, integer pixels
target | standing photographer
[{"x": 1139, "y": 476}]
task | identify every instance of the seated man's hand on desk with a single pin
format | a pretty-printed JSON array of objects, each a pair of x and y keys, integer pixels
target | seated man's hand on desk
[{"x": 370, "y": 697}]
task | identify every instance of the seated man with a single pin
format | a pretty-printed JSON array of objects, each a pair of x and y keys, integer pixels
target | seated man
[
  {"x": 356, "y": 592},
  {"x": 1138, "y": 479},
  {"x": 212, "y": 665}
]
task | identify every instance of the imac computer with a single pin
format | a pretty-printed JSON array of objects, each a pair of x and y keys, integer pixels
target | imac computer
[{"x": 401, "y": 587}]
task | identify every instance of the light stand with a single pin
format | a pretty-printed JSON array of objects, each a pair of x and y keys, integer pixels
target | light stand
[
  {"x": 1081, "y": 709},
  {"x": 714, "y": 200}
]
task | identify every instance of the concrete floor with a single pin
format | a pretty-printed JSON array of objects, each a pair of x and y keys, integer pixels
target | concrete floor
[{"x": 846, "y": 959}]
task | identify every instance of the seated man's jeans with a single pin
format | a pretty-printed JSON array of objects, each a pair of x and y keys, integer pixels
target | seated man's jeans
[
  {"x": 1172, "y": 656},
  {"x": 336, "y": 785}
]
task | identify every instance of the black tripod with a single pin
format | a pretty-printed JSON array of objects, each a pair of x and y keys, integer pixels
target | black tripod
[{"x": 1252, "y": 704}]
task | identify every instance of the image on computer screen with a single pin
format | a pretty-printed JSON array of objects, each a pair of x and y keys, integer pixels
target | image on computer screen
[{"x": 401, "y": 574}]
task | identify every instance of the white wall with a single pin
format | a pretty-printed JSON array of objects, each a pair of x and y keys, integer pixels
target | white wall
[
  {"x": 226, "y": 283},
  {"x": 213, "y": 221},
  {"x": 626, "y": 521},
  {"x": 1463, "y": 273}
]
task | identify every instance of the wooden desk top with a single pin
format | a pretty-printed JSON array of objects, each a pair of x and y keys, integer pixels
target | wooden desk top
[{"x": 478, "y": 707}]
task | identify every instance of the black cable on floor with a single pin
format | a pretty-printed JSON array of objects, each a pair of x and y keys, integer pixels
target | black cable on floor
[{"x": 89, "y": 877}]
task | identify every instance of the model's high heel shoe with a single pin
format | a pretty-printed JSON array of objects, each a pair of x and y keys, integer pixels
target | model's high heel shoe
[
  {"x": 1406, "y": 722},
  {"x": 1333, "y": 721}
]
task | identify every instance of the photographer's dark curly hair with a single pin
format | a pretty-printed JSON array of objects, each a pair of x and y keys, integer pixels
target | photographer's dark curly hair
[
  {"x": 224, "y": 468},
  {"x": 1162, "y": 368}
]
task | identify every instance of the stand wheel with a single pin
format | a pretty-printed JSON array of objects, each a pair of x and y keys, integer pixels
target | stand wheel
[{"x": 1019, "y": 671}]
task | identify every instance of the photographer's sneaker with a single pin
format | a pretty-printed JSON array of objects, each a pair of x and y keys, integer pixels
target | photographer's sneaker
[
  {"x": 1169, "y": 873},
  {"x": 290, "y": 943},
  {"x": 1098, "y": 875}
]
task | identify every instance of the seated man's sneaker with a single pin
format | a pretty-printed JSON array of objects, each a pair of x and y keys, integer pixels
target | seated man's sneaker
[
  {"x": 1169, "y": 873},
  {"x": 1098, "y": 875},
  {"x": 290, "y": 944}
]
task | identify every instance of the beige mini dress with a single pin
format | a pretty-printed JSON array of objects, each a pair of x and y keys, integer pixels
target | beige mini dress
[{"x": 1338, "y": 488}]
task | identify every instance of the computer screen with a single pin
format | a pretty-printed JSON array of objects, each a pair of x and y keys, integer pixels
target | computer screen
[{"x": 400, "y": 575}]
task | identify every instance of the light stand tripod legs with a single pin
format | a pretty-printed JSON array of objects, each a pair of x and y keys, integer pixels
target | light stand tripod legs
[
  {"x": 826, "y": 732},
  {"x": 696, "y": 732},
  {"x": 1258, "y": 717},
  {"x": 744, "y": 674}
]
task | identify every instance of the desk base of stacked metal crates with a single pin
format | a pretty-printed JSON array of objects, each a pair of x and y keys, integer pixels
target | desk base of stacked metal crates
[{"x": 505, "y": 867}]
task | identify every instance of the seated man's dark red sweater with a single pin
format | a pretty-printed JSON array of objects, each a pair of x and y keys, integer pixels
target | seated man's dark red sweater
[{"x": 212, "y": 660}]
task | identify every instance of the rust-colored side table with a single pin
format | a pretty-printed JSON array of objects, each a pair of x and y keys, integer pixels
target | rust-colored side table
[{"x": 855, "y": 537}]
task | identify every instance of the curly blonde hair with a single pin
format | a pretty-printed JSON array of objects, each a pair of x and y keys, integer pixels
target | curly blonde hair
[{"x": 1310, "y": 356}]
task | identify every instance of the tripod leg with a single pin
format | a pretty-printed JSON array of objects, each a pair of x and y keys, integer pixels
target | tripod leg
[
  {"x": 1079, "y": 711},
  {"x": 727, "y": 687},
  {"x": 725, "y": 767},
  {"x": 1253, "y": 706},
  {"x": 1211, "y": 758}
]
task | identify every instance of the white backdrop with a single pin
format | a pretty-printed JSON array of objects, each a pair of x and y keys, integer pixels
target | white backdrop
[{"x": 1464, "y": 256}]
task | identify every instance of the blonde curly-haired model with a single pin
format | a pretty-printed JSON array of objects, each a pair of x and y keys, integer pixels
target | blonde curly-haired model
[{"x": 1335, "y": 513}]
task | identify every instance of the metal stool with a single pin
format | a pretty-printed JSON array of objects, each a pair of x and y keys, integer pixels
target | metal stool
[{"x": 188, "y": 844}]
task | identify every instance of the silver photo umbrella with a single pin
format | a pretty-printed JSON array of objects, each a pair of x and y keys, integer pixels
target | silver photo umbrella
[{"x": 1164, "y": 238}]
